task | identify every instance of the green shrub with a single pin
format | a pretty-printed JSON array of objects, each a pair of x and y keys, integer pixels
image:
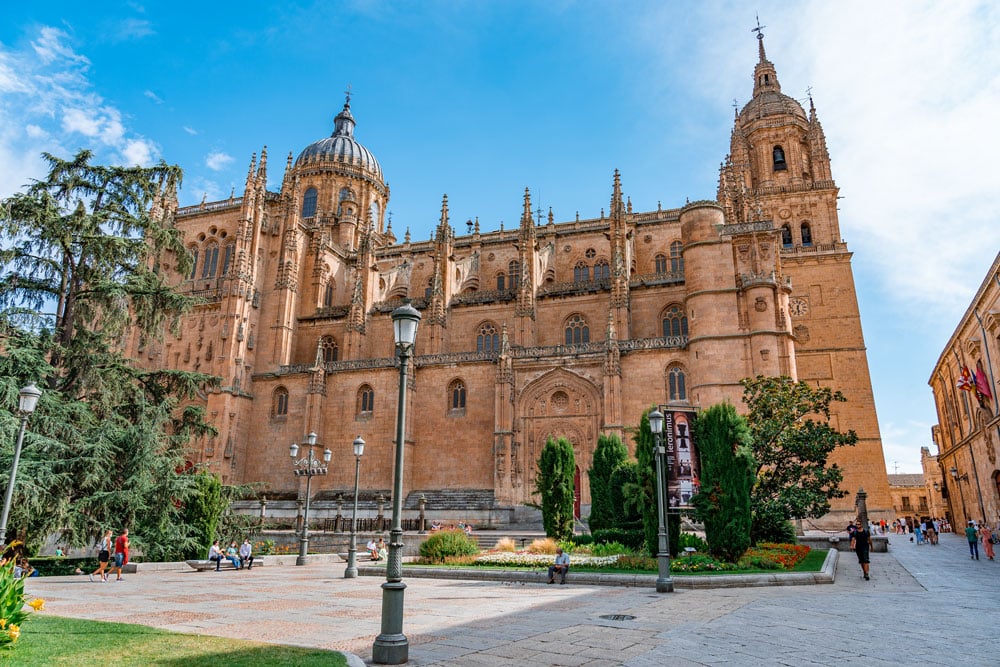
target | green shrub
[
  {"x": 634, "y": 539},
  {"x": 692, "y": 540},
  {"x": 782, "y": 532},
  {"x": 759, "y": 563},
  {"x": 582, "y": 539},
  {"x": 609, "y": 549},
  {"x": 56, "y": 566},
  {"x": 446, "y": 544}
]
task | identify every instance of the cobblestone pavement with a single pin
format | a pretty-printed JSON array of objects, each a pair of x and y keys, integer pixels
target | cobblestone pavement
[{"x": 925, "y": 604}]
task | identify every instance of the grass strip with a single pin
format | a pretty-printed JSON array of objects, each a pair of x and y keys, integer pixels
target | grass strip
[{"x": 54, "y": 640}]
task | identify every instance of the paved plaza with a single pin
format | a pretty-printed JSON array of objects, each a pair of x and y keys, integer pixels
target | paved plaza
[{"x": 925, "y": 605}]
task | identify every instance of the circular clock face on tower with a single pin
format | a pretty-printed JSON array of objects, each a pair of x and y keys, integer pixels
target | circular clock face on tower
[{"x": 798, "y": 307}]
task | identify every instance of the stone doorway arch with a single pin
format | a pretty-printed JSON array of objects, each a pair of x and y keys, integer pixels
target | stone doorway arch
[{"x": 559, "y": 404}]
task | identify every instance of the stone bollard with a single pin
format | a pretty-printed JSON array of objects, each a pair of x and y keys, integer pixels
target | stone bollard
[
  {"x": 861, "y": 504},
  {"x": 380, "y": 519},
  {"x": 299, "y": 504},
  {"x": 263, "y": 510},
  {"x": 422, "y": 503},
  {"x": 339, "y": 518}
]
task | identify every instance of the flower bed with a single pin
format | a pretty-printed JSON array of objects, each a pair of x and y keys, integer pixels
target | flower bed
[{"x": 525, "y": 559}]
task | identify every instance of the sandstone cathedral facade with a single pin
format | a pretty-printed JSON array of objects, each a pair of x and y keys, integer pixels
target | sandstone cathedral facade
[{"x": 559, "y": 328}]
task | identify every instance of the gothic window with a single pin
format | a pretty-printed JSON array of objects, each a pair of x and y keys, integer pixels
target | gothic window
[
  {"x": 660, "y": 262},
  {"x": 786, "y": 237},
  {"x": 577, "y": 330},
  {"x": 430, "y": 288},
  {"x": 601, "y": 270},
  {"x": 676, "y": 384},
  {"x": 227, "y": 259},
  {"x": 279, "y": 403},
  {"x": 675, "y": 322},
  {"x": 488, "y": 339},
  {"x": 373, "y": 210},
  {"x": 328, "y": 295},
  {"x": 676, "y": 258},
  {"x": 366, "y": 401},
  {"x": 581, "y": 272},
  {"x": 456, "y": 396},
  {"x": 807, "y": 236},
  {"x": 194, "y": 263},
  {"x": 514, "y": 271},
  {"x": 500, "y": 281},
  {"x": 211, "y": 261},
  {"x": 590, "y": 254},
  {"x": 309, "y": 203},
  {"x": 328, "y": 346},
  {"x": 779, "y": 158}
]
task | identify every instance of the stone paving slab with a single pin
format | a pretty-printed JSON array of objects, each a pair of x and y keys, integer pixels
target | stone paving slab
[{"x": 927, "y": 605}]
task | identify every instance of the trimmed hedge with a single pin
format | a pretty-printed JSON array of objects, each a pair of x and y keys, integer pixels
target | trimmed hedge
[
  {"x": 634, "y": 539},
  {"x": 447, "y": 543}
]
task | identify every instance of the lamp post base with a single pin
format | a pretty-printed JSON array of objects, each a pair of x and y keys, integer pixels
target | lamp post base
[
  {"x": 303, "y": 550},
  {"x": 664, "y": 586},
  {"x": 352, "y": 567},
  {"x": 391, "y": 647}
]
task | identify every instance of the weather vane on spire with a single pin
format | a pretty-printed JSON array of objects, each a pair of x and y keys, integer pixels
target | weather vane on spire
[
  {"x": 759, "y": 29},
  {"x": 348, "y": 93}
]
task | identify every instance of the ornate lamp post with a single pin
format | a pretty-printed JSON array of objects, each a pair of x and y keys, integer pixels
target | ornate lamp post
[
  {"x": 391, "y": 646},
  {"x": 352, "y": 568},
  {"x": 28, "y": 400},
  {"x": 307, "y": 467},
  {"x": 664, "y": 584}
]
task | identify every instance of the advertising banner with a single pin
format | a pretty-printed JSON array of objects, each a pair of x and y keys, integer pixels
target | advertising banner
[{"x": 682, "y": 457}]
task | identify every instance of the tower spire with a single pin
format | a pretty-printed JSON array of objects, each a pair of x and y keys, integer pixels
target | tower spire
[{"x": 760, "y": 39}]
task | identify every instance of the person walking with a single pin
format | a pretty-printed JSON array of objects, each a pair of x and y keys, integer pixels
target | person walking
[
  {"x": 103, "y": 557},
  {"x": 987, "y": 535},
  {"x": 861, "y": 543},
  {"x": 121, "y": 553},
  {"x": 972, "y": 535}
]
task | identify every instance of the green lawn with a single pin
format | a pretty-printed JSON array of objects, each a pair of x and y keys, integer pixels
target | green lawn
[{"x": 52, "y": 640}]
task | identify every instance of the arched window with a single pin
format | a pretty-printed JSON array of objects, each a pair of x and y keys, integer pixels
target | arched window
[
  {"x": 194, "y": 263},
  {"x": 328, "y": 294},
  {"x": 309, "y": 203},
  {"x": 675, "y": 322},
  {"x": 344, "y": 194},
  {"x": 660, "y": 263},
  {"x": 373, "y": 210},
  {"x": 456, "y": 395},
  {"x": 514, "y": 271},
  {"x": 279, "y": 403},
  {"x": 601, "y": 270},
  {"x": 501, "y": 281},
  {"x": 581, "y": 272},
  {"x": 676, "y": 257},
  {"x": 366, "y": 401},
  {"x": 807, "y": 236},
  {"x": 227, "y": 259},
  {"x": 211, "y": 261},
  {"x": 488, "y": 340},
  {"x": 328, "y": 346},
  {"x": 786, "y": 237},
  {"x": 430, "y": 287},
  {"x": 779, "y": 158},
  {"x": 577, "y": 330},
  {"x": 676, "y": 384}
]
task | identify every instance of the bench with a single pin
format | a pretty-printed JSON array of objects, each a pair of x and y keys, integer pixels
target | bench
[{"x": 202, "y": 565}]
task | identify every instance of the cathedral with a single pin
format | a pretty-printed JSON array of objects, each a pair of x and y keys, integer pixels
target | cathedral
[{"x": 565, "y": 328}]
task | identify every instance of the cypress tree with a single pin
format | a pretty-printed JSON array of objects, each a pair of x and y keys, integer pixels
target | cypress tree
[
  {"x": 609, "y": 455},
  {"x": 727, "y": 476},
  {"x": 554, "y": 483}
]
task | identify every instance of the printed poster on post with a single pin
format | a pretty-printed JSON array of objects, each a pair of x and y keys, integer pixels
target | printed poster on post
[{"x": 682, "y": 457}]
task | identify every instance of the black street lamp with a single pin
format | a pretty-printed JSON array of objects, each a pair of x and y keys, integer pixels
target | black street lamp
[
  {"x": 352, "y": 567},
  {"x": 664, "y": 584},
  {"x": 391, "y": 646},
  {"x": 307, "y": 467},
  {"x": 28, "y": 400}
]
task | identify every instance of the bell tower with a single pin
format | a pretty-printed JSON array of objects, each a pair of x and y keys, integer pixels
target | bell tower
[{"x": 779, "y": 169}]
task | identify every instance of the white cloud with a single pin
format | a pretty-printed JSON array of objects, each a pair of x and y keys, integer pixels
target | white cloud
[
  {"x": 132, "y": 28},
  {"x": 49, "y": 104},
  {"x": 153, "y": 96},
  {"x": 217, "y": 160},
  {"x": 190, "y": 130}
]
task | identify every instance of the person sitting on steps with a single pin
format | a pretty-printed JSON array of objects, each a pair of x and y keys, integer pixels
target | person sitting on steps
[{"x": 561, "y": 565}]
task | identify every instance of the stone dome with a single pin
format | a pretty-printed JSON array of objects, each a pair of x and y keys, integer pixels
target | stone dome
[
  {"x": 341, "y": 147},
  {"x": 771, "y": 103}
]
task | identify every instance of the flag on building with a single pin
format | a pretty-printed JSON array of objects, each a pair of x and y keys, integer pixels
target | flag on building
[
  {"x": 965, "y": 380},
  {"x": 982, "y": 384}
]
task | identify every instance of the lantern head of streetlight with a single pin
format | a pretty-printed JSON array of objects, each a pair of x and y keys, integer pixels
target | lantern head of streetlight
[
  {"x": 954, "y": 472},
  {"x": 656, "y": 421},
  {"x": 311, "y": 439},
  {"x": 29, "y": 398},
  {"x": 359, "y": 446},
  {"x": 327, "y": 455},
  {"x": 294, "y": 450},
  {"x": 404, "y": 325}
]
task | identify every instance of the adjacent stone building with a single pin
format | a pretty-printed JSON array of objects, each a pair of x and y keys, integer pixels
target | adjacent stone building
[
  {"x": 965, "y": 394},
  {"x": 566, "y": 328}
]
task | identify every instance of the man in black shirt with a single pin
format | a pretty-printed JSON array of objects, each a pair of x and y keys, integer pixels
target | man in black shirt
[{"x": 861, "y": 543}]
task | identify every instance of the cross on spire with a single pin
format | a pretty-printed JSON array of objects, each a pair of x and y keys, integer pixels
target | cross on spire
[
  {"x": 348, "y": 94},
  {"x": 759, "y": 29}
]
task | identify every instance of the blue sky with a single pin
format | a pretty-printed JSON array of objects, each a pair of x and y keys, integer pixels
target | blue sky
[{"x": 481, "y": 99}]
